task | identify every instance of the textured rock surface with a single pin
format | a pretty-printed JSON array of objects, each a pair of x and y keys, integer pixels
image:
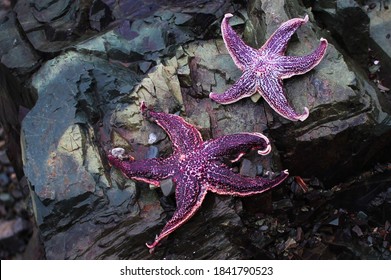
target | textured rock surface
[
  {"x": 341, "y": 103},
  {"x": 84, "y": 99},
  {"x": 171, "y": 56},
  {"x": 380, "y": 40}
]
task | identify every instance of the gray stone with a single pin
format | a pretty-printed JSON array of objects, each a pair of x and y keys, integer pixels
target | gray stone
[
  {"x": 167, "y": 187},
  {"x": 153, "y": 152},
  {"x": 282, "y": 204},
  {"x": 100, "y": 15},
  {"x": 15, "y": 52},
  {"x": 349, "y": 24},
  {"x": 380, "y": 41},
  {"x": 334, "y": 222},
  {"x": 248, "y": 169},
  {"x": 362, "y": 217}
]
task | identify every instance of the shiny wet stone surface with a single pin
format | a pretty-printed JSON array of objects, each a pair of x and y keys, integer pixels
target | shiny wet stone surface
[{"x": 78, "y": 70}]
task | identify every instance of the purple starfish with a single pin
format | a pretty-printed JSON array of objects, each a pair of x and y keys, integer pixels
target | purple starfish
[
  {"x": 264, "y": 69},
  {"x": 195, "y": 166}
]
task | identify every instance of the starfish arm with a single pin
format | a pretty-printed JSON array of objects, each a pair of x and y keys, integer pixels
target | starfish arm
[
  {"x": 148, "y": 170},
  {"x": 241, "y": 54},
  {"x": 244, "y": 87},
  {"x": 183, "y": 135},
  {"x": 224, "y": 181},
  {"x": 278, "y": 41},
  {"x": 237, "y": 145},
  {"x": 289, "y": 66},
  {"x": 189, "y": 197},
  {"x": 272, "y": 91}
]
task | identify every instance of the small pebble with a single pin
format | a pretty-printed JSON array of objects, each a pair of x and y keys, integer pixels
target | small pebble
[
  {"x": 153, "y": 152},
  {"x": 248, "y": 169},
  {"x": 6, "y": 199},
  {"x": 118, "y": 152},
  {"x": 152, "y": 138},
  {"x": 264, "y": 228},
  {"x": 362, "y": 217},
  {"x": 334, "y": 222},
  {"x": 167, "y": 187},
  {"x": 357, "y": 230}
]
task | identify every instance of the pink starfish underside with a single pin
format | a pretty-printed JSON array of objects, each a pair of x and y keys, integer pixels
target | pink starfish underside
[
  {"x": 264, "y": 69},
  {"x": 196, "y": 167}
]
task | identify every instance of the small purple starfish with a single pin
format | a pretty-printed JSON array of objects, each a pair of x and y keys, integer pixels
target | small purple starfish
[
  {"x": 195, "y": 166},
  {"x": 264, "y": 69}
]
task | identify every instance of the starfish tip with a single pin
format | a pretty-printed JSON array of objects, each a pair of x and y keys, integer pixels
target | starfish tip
[
  {"x": 265, "y": 151},
  {"x": 305, "y": 18},
  {"x": 117, "y": 151},
  {"x": 305, "y": 115},
  {"x": 151, "y": 248},
  {"x": 228, "y": 15},
  {"x": 217, "y": 98}
]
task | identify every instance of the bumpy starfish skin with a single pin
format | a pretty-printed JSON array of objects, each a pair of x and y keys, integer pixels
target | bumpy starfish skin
[
  {"x": 264, "y": 69},
  {"x": 195, "y": 166}
]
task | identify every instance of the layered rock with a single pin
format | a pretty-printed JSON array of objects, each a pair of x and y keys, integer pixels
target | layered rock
[{"x": 171, "y": 56}]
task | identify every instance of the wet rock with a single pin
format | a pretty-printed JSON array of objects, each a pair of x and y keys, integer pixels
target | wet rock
[
  {"x": 210, "y": 234},
  {"x": 170, "y": 55},
  {"x": 282, "y": 204},
  {"x": 75, "y": 178},
  {"x": 247, "y": 168},
  {"x": 100, "y": 15},
  {"x": 340, "y": 101},
  {"x": 362, "y": 218},
  {"x": 99, "y": 103},
  {"x": 15, "y": 52},
  {"x": 153, "y": 152},
  {"x": 357, "y": 230},
  {"x": 167, "y": 187},
  {"x": 349, "y": 24},
  {"x": 51, "y": 25},
  {"x": 380, "y": 41}
]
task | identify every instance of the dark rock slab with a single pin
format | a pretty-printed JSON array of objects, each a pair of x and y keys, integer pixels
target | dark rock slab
[
  {"x": 100, "y": 15},
  {"x": 74, "y": 190},
  {"x": 170, "y": 55},
  {"x": 82, "y": 100},
  {"x": 214, "y": 233},
  {"x": 380, "y": 41},
  {"x": 349, "y": 25},
  {"x": 15, "y": 52},
  {"x": 52, "y": 25}
]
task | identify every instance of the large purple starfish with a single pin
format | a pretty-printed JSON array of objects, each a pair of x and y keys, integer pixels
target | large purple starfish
[
  {"x": 264, "y": 69},
  {"x": 195, "y": 166}
]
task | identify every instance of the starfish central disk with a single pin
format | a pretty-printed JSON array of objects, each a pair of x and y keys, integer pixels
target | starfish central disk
[
  {"x": 196, "y": 166},
  {"x": 265, "y": 68}
]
